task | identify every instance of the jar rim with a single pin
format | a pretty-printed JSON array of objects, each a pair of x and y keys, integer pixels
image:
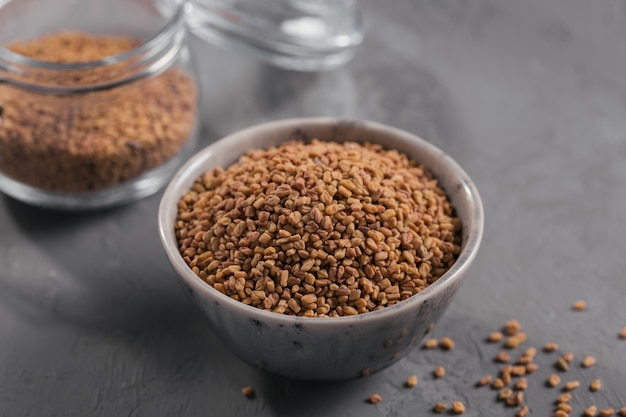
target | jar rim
[{"x": 11, "y": 61}]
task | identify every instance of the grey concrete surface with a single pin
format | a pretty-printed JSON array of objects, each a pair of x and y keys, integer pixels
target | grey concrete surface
[{"x": 528, "y": 96}]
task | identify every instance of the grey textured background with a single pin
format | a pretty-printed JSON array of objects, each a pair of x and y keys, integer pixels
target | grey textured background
[{"x": 530, "y": 98}]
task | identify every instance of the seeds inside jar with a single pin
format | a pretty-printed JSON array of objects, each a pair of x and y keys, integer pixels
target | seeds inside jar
[{"x": 320, "y": 229}]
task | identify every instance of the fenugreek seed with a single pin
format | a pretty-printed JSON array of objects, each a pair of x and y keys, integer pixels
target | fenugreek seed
[
  {"x": 440, "y": 408},
  {"x": 523, "y": 412},
  {"x": 248, "y": 391},
  {"x": 308, "y": 299},
  {"x": 431, "y": 344},
  {"x": 515, "y": 400},
  {"x": 495, "y": 337},
  {"x": 564, "y": 407},
  {"x": 458, "y": 407},
  {"x": 486, "y": 380},
  {"x": 553, "y": 380},
  {"x": 595, "y": 385},
  {"x": 579, "y": 305},
  {"x": 521, "y": 384},
  {"x": 588, "y": 361},
  {"x": 550, "y": 347},
  {"x": 518, "y": 370},
  {"x": 439, "y": 372},
  {"x": 606, "y": 412},
  {"x": 622, "y": 333},
  {"x": 515, "y": 340},
  {"x": 591, "y": 411},
  {"x": 564, "y": 398},
  {"x": 350, "y": 311},
  {"x": 561, "y": 364},
  {"x": 571, "y": 385},
  {"x": 622, "y": 412},
  {"x": 530, "y": 352},
  {"x": 375, "y": 398},
  {"x": 511, "y": 327},
  {"x": 411, "y": 381},
  {"x": 568, "y": 357},
  {"x": 560, "y": 413},
  {"x": 446, "y": 343},
  {"x": 503, "y": 357},
  {"x": 505, "y": 374},
  {"x": 531, "y": 367},
  {"x": 505, "y": 393},
  {"x": 497, "y": 383}
]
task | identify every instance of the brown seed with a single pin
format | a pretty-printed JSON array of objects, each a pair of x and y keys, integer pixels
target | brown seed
[
  {"x": 622, "y": 333},
  {"x": 588, "y": 361},
  {"x": 560, "y": 413},
  {"x": 248, "y": 391},
  {"x": 564, "y": 407},
  {"x": 504, "y": 394},
  {"x": 497, "y": 383},
  {"x": 622, "y": 411},
  {"x": 518, "y": 370},
  {"x": 515, "y": 400},
  {"x": 591, "y": 411},
  {"x": 531, "y": 367},
  {"x": 515, "y": 340},
  {"x": 503, "y": 357},
  {"x": 511, "y": 327},
  {"x": 495, "y": 337},
  {"x": 411, "y": 381},
  {"x": 579, "y": 305},
  {"x": 530, "y": 352},
  {"x": 564, "y": 398},
  {"x": 458, "y": 407},
  {"x": 568, "y": 357},
  {"x": 553, "y": 380},
  {"x": 571, "y": 385},
  {"x": 550, "y": 347},
  {"x": 431, "y": 344},
  {"x": 561, "y": 364},
  {"x": 521, "y": 384},
  {"x": 440, "y": 408},
  {"x": 446, "y": 343},
  {"x": 484, "y": 381},
  {"x": 606, "y": 412},
  {"x": 523, "y": 412},
  {"x": 439, "y": 372},
  {"x": 374, "y": 398},
  {"x": 595, "y": 385}
]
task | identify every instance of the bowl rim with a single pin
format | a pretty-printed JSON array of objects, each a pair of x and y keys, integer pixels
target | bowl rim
[{"x": 173, "y": 192}]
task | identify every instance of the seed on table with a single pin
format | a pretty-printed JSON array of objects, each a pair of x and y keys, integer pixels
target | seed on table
[
  {"x": 484, "y": 381},
  {"x": 553, "y": 380},
  {"x": 440, "y": 408},
  {"x": 431, "y": 344},
  {"x": 503, "y": 357},
  {"x": 530, "y": 352},
  {"x": 515, "y": 400},
  {"x": 588, "y": 361},
  {"x": 497, "y": 383},
  {"x": 504, "y": 394},
  {"x": 606, "y": 412},
  {"x": 561, "y": 364},
  {"x": 439, "y": 372},
  {"x": 446, "y": 343},
  {"x": 411, "y": 381},
  {"x": 564, "y": 398},
  {"x": 571, "y": 385},
  {"x": 518, "y": 370},
  {"x": 579, "y": 305},
  {"x": 458, "y": 407},
  {"x": 505, "y": 374},
  {"x": 521, "y": 384},
  {"x": 248, "y": 391},
  {"x": 375, "y": 398},
  {"x": 622, "y": 412},
  {"x": 565, "y": 407},
  {"x": 495, "y": 337},
  {"x": 531, "y": 367},
  {"x": 550, "y": 347},
  {"x": 590, "y": 411},
  {"x": 560, "y": 413},
  {"x": 568, "y": 357},
  {"x": 511, "y": 327},
  {"x": 515, "y": 340},
  {"x": 523, "y": 412},
  {"x": 622, "y": 333}
]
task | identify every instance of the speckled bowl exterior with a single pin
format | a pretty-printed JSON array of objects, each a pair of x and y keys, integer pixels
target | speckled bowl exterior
[{"x": 325, "y": 348}]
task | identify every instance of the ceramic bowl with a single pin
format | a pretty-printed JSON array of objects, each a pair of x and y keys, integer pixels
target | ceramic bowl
[{"x": 325, "y": 348}]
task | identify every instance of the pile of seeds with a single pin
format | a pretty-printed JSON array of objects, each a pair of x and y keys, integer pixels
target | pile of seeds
[
  {"x": 91, "y": 141},
  {"x": 319, "y": 229}
]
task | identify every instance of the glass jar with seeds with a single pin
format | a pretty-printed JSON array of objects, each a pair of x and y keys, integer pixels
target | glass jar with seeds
[{"x": 98, "y": 99}]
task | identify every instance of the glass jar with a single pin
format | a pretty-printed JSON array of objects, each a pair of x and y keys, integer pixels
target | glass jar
[{"x": 98, "y": 99}]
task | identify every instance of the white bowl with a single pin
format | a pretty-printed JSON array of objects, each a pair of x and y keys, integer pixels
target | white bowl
[{"x": 325, "y": 348}]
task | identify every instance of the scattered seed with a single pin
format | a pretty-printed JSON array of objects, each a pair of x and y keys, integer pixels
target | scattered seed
[
  {"x": 588, "y": 361},
  {"x": 568, "y": 357},
  {"x": 622, "y": 411},
  {"x": 375, "y": 398},
  {"x": 439, "y": 372},
  {"x": 515, "y": 340},
  {"x": 564, "y": 398},
  {"x": 431, "y": 344},
  {"x": 622, "y": 333},
  {"x": 484, "y": 381},
  {"x": 553, "y": 380},
  {"x": 504, "y": 394},
  {"x": 248, "y": 391},
  {"x": 550, "y": 347},
  {"x": 564, "y": 407},
  {"x": 571, "y": 385},
  {"x": 511, "y": 327},
  {"x": 458, "y": 407},
  {"x": 497, "y": 383},
  {"x": 496, "y": 337},
  {"x": 561, "y": 364},
  {"x": 411, "y": 381},
  {"x": 440, "y": 408},
  {"x": 579, "y": 305},
  {"x": 518, "y": 370},
  {"x": 560, "y": 413},
  {"x": 590, "y": 411},
  {"x": 530, "y": 352},
  {"x": 521, "y": 384},
  {"x": 523, "y": 412},
  {"x": 515, "y": 400},
  {"x": 503, "y": 357},
  {"x": 531, "y": 367},
  {"x": 446, "y": 343},
  {"x": 606, "y": 412}
]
